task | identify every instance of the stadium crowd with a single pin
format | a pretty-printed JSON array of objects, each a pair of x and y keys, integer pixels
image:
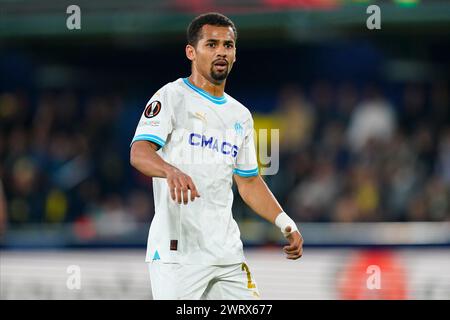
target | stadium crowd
[{"x": 347, "y": 153}]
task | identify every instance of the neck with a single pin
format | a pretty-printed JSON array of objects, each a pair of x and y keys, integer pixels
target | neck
[{"x": 214, "y": 89}]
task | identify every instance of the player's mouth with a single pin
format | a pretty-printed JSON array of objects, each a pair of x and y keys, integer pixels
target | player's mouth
[{"x": 220, "y": 65}]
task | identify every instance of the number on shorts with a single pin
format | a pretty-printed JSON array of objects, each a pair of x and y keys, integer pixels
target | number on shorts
[{"x": 250, "y": 284}]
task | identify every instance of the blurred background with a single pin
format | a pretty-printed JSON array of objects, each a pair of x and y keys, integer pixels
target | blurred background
[{"x": 364, "y": 120}]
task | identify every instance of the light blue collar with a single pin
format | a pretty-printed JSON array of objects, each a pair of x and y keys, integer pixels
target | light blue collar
[{"x": 203, "y": 93}]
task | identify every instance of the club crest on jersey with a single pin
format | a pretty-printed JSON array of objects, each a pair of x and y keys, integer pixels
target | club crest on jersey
[
  {"x": 152, "y": 109},
  {"x": 238, "y": 128}
]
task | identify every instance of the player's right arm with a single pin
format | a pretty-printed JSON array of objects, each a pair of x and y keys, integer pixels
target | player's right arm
[
  {"x": 154, "y": 127},
  {"x": 144, "y": 158}
]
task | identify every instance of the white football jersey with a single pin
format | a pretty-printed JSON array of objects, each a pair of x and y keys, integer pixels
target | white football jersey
[{"x": 209, "y": 139}]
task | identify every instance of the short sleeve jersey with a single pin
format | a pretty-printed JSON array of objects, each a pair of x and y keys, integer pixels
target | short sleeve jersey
[{"x": 209, "y": 138}]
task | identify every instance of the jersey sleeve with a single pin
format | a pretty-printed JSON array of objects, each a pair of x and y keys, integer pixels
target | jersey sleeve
[
  {"x": 246, "y": 162},
  {"x": 156, "y": 121}
]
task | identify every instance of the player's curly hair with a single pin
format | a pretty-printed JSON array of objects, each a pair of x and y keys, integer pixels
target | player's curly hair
[{"x": 211, "y": 18}]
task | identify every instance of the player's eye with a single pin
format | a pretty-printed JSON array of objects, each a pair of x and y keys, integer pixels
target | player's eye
[
  {"x": 229, "y": 45},
  {"x": 211, "y": 44}
]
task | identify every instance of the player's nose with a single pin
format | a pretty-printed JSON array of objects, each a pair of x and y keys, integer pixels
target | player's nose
[{"x": 221, "y": 52}]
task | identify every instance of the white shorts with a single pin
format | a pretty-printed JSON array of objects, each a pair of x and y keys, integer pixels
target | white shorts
[{"x": 173, "y": 281}]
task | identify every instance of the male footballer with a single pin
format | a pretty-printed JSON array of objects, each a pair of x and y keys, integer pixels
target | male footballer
[{"x": 193, "y": 139}]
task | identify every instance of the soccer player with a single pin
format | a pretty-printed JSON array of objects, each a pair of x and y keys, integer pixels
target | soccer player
[{"x": 193, "y": 138}]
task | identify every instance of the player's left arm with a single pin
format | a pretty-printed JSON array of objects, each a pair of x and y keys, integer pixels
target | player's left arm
[{"x": 257, "y": 195}]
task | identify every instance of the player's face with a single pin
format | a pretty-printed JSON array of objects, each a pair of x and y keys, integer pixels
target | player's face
[{"x": 215, "y": 52}]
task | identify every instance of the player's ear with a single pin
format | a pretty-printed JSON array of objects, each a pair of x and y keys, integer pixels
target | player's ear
[{"x": 190, "y": 52}]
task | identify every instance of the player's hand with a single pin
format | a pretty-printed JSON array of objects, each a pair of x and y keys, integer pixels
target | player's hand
[
  {"x": 179, "y": 184},
  {"x": 295, "y": 248}
]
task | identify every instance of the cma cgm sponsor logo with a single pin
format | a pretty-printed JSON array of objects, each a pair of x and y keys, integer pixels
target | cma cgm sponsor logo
[
  {"x": 212, "y": 143},
  {"x": 152, "y": 109}
]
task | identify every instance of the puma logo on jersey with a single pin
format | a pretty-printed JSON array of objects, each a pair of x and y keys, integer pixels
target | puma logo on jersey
[{"x": 201, "y": 116}]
